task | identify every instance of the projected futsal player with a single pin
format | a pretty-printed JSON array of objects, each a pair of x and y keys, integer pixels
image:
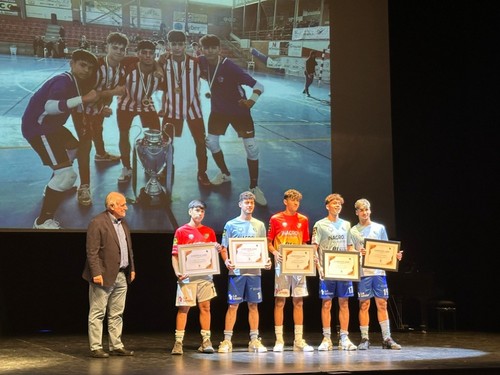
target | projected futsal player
[
  {"x": 43, "y": 127},
  {"x": 373, "y": 282},
  {"x": 229, "y": 105},
  {"x": 244, "y": 285},
  {"x": 289, "y": 227},
  {"x": 332, "y": 233},
  {"x": 181, "y": 98},
  {"x": 193, "y": 290}
]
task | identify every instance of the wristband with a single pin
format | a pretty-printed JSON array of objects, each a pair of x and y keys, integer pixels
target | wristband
[
  {"x": 254, "y": 97},
  {"x": 74, "y": 102},
  {"x": 226, "y": 261}
]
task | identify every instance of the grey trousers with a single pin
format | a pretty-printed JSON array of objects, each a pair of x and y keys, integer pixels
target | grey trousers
[{"x": 112, "y": 301}]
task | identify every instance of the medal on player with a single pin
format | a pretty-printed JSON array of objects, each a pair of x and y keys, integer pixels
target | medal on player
[
  {"x": 146, "y": 102},
  {"x": 208, "y": 95},
  {"x": 178, "y": 90}
]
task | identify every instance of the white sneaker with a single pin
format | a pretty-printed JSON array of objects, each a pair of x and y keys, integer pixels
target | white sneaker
[
  {"x": 347, "y": 345},
  {"x": 326, "y": 345},
  {"x": 260, "y": 199},
  {"x": 301, "y": 346},
  {"x": 225, "y": 346},
  {"x": 220, "y": 179},
  {"x": 279, "y": 346},
  {"x": 256, "y": 346},
  {"x": 107, "y": 157},
  {"x": 47, "y": 224},
  {"x": 125, "y": 175},
  {"x": 83, "y": 195}
]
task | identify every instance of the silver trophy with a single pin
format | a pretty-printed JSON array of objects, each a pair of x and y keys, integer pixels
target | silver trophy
[{"x": 155, "y": 152}]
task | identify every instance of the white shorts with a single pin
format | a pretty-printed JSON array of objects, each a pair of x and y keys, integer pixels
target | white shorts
[
  {"x": 188, "y": 294},
  {"x": 283, "y": 284}
]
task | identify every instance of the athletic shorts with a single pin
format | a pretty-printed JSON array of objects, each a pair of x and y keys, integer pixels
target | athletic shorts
[
  {"x": 242, "y": 124},
  {"x": 188, "y": 294},
  {"x": 373, "y": 286},
  {"x": 283, "y": 284},
  {"x": 52, "y": 148},
  {"x": 329, "y": 289},
  {"x": 244, "y": 289}
]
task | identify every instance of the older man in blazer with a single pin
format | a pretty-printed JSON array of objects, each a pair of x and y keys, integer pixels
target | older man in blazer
[{"x": 109, "y": 269}]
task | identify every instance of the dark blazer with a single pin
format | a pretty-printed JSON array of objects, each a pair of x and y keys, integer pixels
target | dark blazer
[{"x": 103, "y": 250}]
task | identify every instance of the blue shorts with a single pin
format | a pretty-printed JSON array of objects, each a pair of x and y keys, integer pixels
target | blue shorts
[
  {"x": 335, "y": 288},
  {"x": 244, "y": 289},
  {"x": 373, "y": 286}
]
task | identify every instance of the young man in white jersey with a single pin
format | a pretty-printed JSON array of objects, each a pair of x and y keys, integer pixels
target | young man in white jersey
[
  {"x": 193, "y": 290},
  {"x": 373, "y": 281},
  {"x": 289, "y": 227},
  {"x": 332, "y": 233},
  {"x": 181, "y": 99},
  {"x": 89, "y": 121},
  {"x": 230, "y": 106},
  {"x": 140, "y": 84},
  {"x": 243, "y": 284}
]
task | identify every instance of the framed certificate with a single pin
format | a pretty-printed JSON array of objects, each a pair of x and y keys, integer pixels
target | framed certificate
[
  {"x": 199, "y": 259},
  {"x": 341, "y": 265},
  {"x": 298, "y": 260},
  {"x": 248, "y": 252},
  {"x": 381, "y": 254}
]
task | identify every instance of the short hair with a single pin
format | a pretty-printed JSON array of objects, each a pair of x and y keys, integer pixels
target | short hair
[
  {"x": 246, "y": 195},
  {"x": 210, "y": 40},
  {"x": 146, "y": 44},
  {"x": 332, "y": 197},
  {"x": 112, "y": 198},
  {"x": 84, "y": 55},
  {"x": 196, "y": 203},
  {"x": 176, "y": 36},
  {"x": 360, "y": 203},
  {"x": 117, "y": 38},
  {"x": 292, "y": 194}
]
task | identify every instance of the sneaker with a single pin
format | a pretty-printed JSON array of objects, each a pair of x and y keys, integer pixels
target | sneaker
[
  {"x": 220, "y": 179},
  {"x": 260, "y": 199},
  {"x": 206, "y": 347},
  {"x": 126, "y": 175},
  {"x": 106, "y": 157},
  {"x": 203, "y": 179},
  {"x": 83, "y": 195},
  {"x": 279, "y": 346},
  {"x": 364, "y": 344},
  {"x": 347, "y": 345},
  {"x": 177, "y": 350},
  {"x": 325, "y": 345},
  {"x": 389, "y": 343},
  {"x": 225, "y": 346},
  {"x": 301, "y": 346},
  {"x": 256, "y": 346},
  {"x": 47, "y": 224}
]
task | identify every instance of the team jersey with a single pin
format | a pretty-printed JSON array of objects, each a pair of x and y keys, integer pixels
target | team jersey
[
  {"x": 359, "y": 233},
  {"x": 187, "y": 234},
  {"x": 238, "y": 228},
  {"x": 139, "y": 87},
  {"x": 225, "y": 82},
  {"x": 288, "y": 229},
  {"x": 36, "y": 120},
  {"x": 331, "y": 235},
  {"x": 181, "y": 98}
]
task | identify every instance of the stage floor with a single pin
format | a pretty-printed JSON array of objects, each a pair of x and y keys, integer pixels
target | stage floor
[{"x": 433, "y": 352}]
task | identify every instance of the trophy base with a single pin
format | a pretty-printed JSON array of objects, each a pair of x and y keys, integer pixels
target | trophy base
[{"x": 153, "y": 200}]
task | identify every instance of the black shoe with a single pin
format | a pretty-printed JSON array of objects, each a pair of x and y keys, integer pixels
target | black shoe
[
  {"x": 122, "y": 352},
  {"x": 99, "y": 353},
  {"x": 203, "y": 179}
]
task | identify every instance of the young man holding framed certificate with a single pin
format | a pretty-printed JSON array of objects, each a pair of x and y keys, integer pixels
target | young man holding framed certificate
[
  {"x": 373, "y": 281},
  {"x": 244, "y": 284},
  {"x": 332, "y": 234},
  {"x": 289, "y": 228},
  {"x": 193, "y": 289}
]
